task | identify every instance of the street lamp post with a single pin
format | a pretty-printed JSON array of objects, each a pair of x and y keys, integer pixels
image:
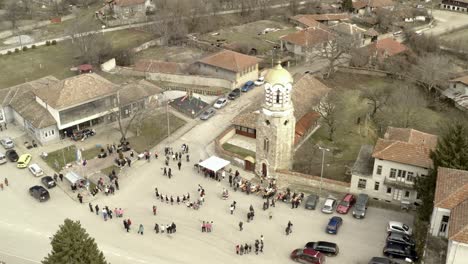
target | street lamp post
[{"x": 321, "y": 172}]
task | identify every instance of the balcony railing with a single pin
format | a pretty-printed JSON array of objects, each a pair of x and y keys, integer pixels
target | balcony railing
[{"x": 399, "y": 184}]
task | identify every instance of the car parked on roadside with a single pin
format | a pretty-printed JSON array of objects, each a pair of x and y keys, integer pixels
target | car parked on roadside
[
  {"x": 207, "y": 114},
  {"x": 308, "y": 256},
  {"x": 247, "y": 86},
  {"x": 220, "y": 103},
  {"x": 234, "y": 94},
  {"x": 35, "y": 170},
  {"x": 40, "y": 193},
  {"x": 381, "y": 260},
  {"x": 334, "y": 224},
  {"x": 400, "y": 238},
  {"x": 260, "y": 81},
  {"x": 360, "y": 208},
  {"x": 48, "y": 182},
  {"x": 23, "y": 161},
  {"x": 327, "y": 248},
  {"x": 329, "y": 205},
  {"x": 311, "y": 202},
  {"x": 7, "y": 143},
  {"x": 346, "y": 203},
  {"x": 393, "y": 250},
  {"x": 3, "y": 158},
  {"x": 399, "y": 227},
  {"x": 12, "y": 155}
]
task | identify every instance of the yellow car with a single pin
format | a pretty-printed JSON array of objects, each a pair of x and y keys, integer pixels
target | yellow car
[{"x": 23, "y": 161}]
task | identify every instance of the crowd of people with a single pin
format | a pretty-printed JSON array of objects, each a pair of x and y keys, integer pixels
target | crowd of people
[{"x": 244, "y": 249}]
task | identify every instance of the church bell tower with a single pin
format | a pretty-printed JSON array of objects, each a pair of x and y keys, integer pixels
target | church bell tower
[{"x": 275, "y": 124}]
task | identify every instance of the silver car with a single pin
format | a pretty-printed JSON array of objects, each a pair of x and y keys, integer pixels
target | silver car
[
  {"x": 329, "y": 205},
  {"x": 7, "y": 143},
  {"x": 207, "y": 114}
]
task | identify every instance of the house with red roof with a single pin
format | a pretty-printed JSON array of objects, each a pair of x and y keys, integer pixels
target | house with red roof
[
  {"x": 306, "y": 42},
  {"x": 387, "y": 171},
  {"x": 129, "y": 8}
]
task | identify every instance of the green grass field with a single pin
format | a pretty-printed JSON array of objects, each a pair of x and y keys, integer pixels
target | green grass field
[
  {"x": 238, "y": 150},
  {"x": 59, "y": 158}
]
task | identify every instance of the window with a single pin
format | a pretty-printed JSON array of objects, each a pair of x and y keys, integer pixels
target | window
[
  {"x": 444, "y": 223},
  {"x": 389, "y": 190},
  {"x": 267, "y": 122},
  {"x": 401, "y": 174},
  {"x": 407, "y": 194},
  {"x": 278, "y": 97},
  {"x": 362, "y": 184},
  {"x": 392, "y": 173},
  {"x": 266, "y": 145},
  {"x": 376, "y": 186},
  {"x": 286, "y": 122},
  {"x": 379, "y": 170},
  {"x": 409, "y": 176}
]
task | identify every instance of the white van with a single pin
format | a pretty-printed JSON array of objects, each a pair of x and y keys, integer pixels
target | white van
[{"x": 2, "y": 158}]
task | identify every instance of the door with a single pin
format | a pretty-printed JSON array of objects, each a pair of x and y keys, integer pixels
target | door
[
  {"x": 264, "y": 170},
  {"x": 443, "y": 226},
  {"x": 249, "y": 166},
  {"x": 397, "y": 194}
]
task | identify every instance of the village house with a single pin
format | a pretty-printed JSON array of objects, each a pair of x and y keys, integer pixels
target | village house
[
  {"x": 372, "y": 5},
  {"x": 458, "y": 92},
  {"x": 327, "y": 19},
  {"x": 230, "y": 65},
  {"x": 350, "y": 31},
  {"x": 305, "y": 21},
  {"x": 129, "y": 8},
  {"x": 450, "y": 215},
  {"x": 381, "y": 49},
  {"x": 307, "y": 42},
  {"x": 387, "y": 171},
  {"x": 455, "y": 5}
]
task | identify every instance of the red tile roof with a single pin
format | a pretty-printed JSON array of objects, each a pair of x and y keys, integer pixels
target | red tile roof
[
  {"x": 458, "y": 225},
  {"x": 386, "y": 47},
  {"x": 359, "y": 4},
  {"x": 330, "y": 17},
  {"x": 451, "y": 187},
  {"x": 463, "y": 79},
  {"x": 230, "y": 60},
  {"x": 309, "y": 37},
  {"x": 406, "y": 146},
  {"x": 304, "y": 124},
  {"x": 306, "y": 20}
]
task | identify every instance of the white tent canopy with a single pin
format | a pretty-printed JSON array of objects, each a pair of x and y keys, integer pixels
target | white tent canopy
[{"x": 214, "y": 163}]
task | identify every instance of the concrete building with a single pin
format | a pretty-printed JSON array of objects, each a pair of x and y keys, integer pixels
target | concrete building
[
  {"x": 455, "y": 5},
  {"x": 129, "y": 8},
  {"x": 307, "y": 42},
  {"x": 229, "y": 65},
  {"x": 450, "y": 214},
  {"x": 350, "y": 32},
  {"x": 276, "y": 123},
  {"x": 458, "y": 92},
  {"x": 388, "y": 170}
]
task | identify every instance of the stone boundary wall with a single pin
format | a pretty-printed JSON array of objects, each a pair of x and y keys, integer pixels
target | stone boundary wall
[
  {"x": 364, "y": 71},
  {"x": 9, "y": 33},
  {"x": 206, "y": 46},
  {"x": 291, "y": 177},
  {"x": 147, "y": 45},
  {"x": 235, "y": 159}
]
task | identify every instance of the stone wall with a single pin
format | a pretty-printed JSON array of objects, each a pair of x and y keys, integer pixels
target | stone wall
[
  {"x": 206, "y": 46},
  {"x": 9, "y": 33},
  {"x": 286, "y": 178},
  {"x": 149, "y": 44},
  {"x": 190, "y": 79},
  {"x": 364, "y": 71},
  {"x": 235, "y": 159}
]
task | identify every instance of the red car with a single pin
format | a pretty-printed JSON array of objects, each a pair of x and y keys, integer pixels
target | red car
[
  {"x": 346, "y": 204},
  {"x": 308, "y": 256}
]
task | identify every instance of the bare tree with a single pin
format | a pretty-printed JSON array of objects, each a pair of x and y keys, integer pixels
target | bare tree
[
  {"x": 328, "y": 109},
  {"x": 385, "y": 19},
  {"x": 376, "y": 96},
  {"x": 432, "y": 70},
  {"x": 14, "y": 11},
  {"x": 294, "y": 6},
  {"x": 171, "y": 24}
]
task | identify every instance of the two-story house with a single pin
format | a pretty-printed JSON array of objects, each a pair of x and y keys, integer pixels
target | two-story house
[
  {"x": 387, "y": 171},
  {"x": 450, "y": 215},
  {"x": 306, "y": 43}
]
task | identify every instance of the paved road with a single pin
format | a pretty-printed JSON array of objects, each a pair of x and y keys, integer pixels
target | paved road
[{"x": 26, "y": 225}]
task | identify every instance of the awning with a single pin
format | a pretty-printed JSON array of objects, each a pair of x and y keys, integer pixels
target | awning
[
  {"x": 214, "y": 163},
  {"x": 249, "y": 159},
  {"x": 73, "y": 177}
]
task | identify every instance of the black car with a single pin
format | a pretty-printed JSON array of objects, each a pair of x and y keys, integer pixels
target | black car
[
  {"x": 234, "y": 94},
  {"x": 381, "y": 260},
  {"x": 327, "y": 248},
  {"x": 311, "y": 202},
  {"x": 48, "y": 182},
  {"x": 12, "y": 155},
  {"x": 394, "y": 250},
  {"x": 40, "y": 193},
  {"x": 399, "y": 238},
  {"x": 85, "y": 133}
]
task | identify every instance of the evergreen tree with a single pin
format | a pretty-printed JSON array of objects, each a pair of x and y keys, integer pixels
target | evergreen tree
[
  {"x": 72, "y": 245},
  {"x": 451, "y": 152},
  {"x": 347, "y": 5}
]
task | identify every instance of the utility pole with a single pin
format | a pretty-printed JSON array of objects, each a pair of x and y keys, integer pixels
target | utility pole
[{"x": 321, "y": 172}]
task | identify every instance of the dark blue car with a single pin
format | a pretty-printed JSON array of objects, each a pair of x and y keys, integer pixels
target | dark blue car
[
  {"x": 247, "y": 86},
  {"x": 333, "y": 225}
]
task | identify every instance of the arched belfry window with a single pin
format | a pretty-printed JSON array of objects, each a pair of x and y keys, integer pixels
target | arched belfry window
[
  {"x": 277, "y": 97},
  {"x": 266, "y": 145}
]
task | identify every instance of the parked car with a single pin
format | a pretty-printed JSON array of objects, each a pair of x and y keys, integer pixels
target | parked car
[
  {"x": 329, "y": 205},
  {"x": 311, "y": 201},
  {"x": 48, "y": 182},
  {"x": 400, "y": 238},
  {"x": 360, "y": 208},
  {"x": 309, "y": 256},
  {"x": 40, "y": 193},
  {"x": 23, "y": 161},
  {"x": 260, "y": 81},
  {"x": 207, "y": 114},
  {"x": 334, "y": 224},
  {"x": 83, "y": 134},
  {"x": 7, "y": 143},
  {"x": 220, "y": 103},
  {"x": 234, "y": 94},
  {"x": 381, "y": 260},
  {"x": 12, "y": 155},
  {"x": 247, "y": 86},
  {"x": 327, "y": 248},
  {"x": 36, "y": 170},
  {"x": 345, "y": 205},
  {"x": 399, "y": 227},
  {"x": 393, "y": 250},
  {"x": 3, "y": 159}
]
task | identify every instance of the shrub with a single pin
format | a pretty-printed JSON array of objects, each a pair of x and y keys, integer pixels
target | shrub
[
  {"x": 25, "y": 48},
  {"x": 17, "y": 50},
  {"x": 47, "y": 43},
  {"x": 33, "y": 46},
  {"x": 9, "y": 52},
  {"x": 54, "y": 42}
]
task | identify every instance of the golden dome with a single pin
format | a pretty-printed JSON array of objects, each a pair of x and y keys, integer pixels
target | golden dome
[{"x": 278, "y": 75}]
